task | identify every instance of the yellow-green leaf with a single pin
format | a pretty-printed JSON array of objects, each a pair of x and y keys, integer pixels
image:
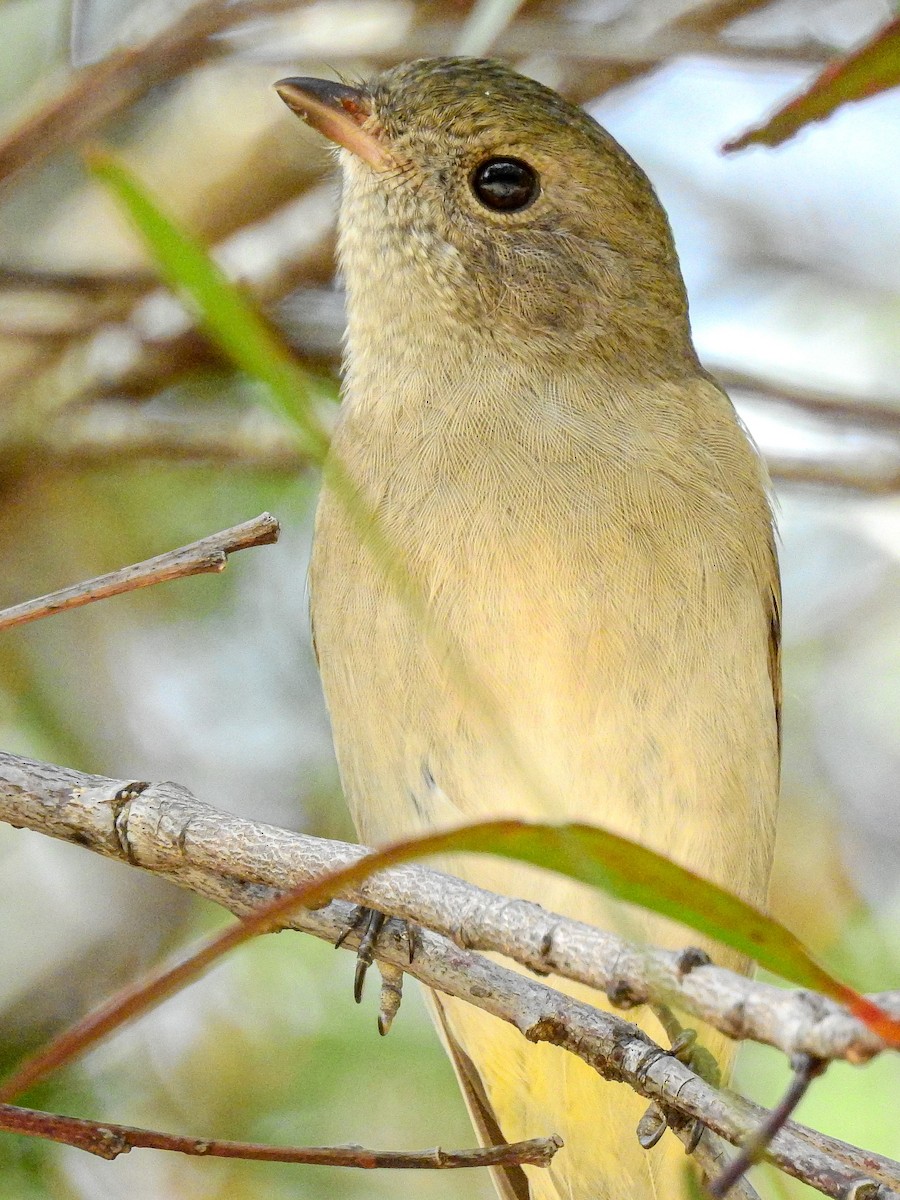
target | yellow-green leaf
[{"x": 227, "y": 314}]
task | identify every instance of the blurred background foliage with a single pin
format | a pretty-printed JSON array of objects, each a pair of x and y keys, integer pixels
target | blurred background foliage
[{"x": 123, "y": 434}]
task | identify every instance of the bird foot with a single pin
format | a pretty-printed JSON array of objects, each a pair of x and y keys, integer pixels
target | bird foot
[
  {"x": 368, "y": 923},
  {"x": 684, "y": 1046}
]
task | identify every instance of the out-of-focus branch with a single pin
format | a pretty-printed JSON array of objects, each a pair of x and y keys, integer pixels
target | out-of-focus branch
[
  {"x": 108, "y": 434},
  {"x": 577, "y": 42},
  {"x": 860, "y": 449},
  {"x": 57, "y": 306},
  {"x": 96, "y": 94},
  {"x": 312, "y": 320},
  {"x": 802, "y": 446},
  {"x": 876, "y": 474},
  {"x": 835, "y": 406},
  {"x": 587, "y": 76},
  {"x": 165, "y": 830},
  {"x": 108, "y": 1141},
  {"x": 208, "y": 554},
  {"x": 158, "y": 342},
  {"x": 711, "y": 16},
  {"x": 79, "y": 282}
]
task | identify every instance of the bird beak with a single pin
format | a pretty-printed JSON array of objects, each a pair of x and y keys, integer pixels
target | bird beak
[{"x": 340, "y": 113}]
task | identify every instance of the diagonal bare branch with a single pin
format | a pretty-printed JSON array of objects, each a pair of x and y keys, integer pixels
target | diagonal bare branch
[
  {"x": 208, "y": 554},
  {"x": 53, "y": 801}
]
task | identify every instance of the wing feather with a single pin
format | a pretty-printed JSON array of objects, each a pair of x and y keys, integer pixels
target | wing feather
[{"x": 510, "y": 1182}]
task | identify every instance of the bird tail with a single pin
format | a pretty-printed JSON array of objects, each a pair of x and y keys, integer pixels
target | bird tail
[{"x": 515, "y": 1089}]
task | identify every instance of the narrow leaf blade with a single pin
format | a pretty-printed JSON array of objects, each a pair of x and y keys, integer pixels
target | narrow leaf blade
[
  {"x": 228, "y": 316},
  {"x": 866, "y": 71}
]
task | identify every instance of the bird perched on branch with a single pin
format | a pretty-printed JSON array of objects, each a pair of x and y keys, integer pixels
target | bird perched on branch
[{"x": 579, "y": 512}]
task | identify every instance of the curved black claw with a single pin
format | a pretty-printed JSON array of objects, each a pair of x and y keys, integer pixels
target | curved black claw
[
  {"x": 353, "y": 925},
  {"x": 369, "y": 921},
  {"x": 365, "y": 955},
  {"x": 694, "y": 1137},
  {"x": 652, "y": 1125}
]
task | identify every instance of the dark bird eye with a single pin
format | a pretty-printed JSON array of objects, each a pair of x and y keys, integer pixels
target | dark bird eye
[{"x": 505, "y": 184}]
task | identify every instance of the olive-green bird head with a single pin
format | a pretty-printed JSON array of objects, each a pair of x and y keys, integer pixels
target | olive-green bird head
[{"x": 474, "y": 193}]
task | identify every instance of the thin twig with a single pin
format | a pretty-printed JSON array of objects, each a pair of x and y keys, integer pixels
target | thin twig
[
  {"x": 108, "y": 1141},
  {"x": 209, "y": 554},
  {"x": 806, "y": 1070},
  {"x": 712, "y": 1155}
]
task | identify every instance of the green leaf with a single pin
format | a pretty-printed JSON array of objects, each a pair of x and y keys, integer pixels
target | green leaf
[
  {"x": 866, "y": 71},
  {"x": 629, "y": 872},
  {"x": 227, "y": 315}
]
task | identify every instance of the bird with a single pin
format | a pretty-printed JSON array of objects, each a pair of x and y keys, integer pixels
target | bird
[{"x": 586, "y": 524}]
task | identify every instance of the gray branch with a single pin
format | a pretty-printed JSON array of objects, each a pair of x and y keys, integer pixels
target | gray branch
[
  {"x": 239, "y": 864},
  {"x": 216, "y": 842}
]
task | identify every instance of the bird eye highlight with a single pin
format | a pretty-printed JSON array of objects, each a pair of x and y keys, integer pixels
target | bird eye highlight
[{"x": 505, "y": 184}]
